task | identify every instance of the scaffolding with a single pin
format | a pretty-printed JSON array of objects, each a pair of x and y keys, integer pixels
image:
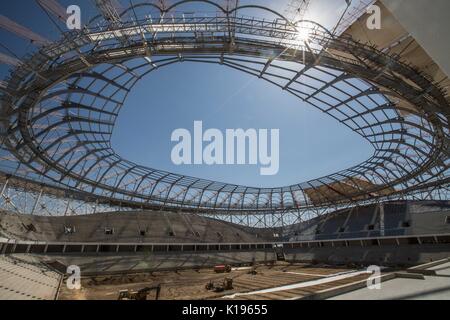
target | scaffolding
[
  {"x": 6, "y": 59},
  {"x": 110, "y": 10}
]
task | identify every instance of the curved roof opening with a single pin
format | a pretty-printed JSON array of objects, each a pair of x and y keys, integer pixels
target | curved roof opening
[{"x": 312, "y": 144}]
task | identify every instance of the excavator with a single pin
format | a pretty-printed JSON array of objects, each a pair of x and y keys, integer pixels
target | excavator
[
  {"x": 227, "y": 284},
  {"x": 139, "y": 295}
]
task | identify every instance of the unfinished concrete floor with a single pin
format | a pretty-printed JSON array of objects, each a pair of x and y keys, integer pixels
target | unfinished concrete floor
[{"x": 431, "y": 287}]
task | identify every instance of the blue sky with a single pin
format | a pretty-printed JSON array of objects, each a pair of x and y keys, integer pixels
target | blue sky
[{"x": 311, "y": 143}]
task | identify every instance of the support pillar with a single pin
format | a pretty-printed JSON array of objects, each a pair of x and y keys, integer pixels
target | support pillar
[
  {"x": 37, "y": 202},
  {"x": 381, "y": 205},
  {"x": 5, "y": 185},
  {"x": 67, "y": 207}
]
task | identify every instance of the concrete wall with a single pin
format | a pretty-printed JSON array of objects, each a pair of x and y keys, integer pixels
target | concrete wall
[
  {"x": 385, "y": 255},
  {"x": 157, "y": 227},
  {"x": 128, "y": 263},
  {"x": 401, "y": 218}
]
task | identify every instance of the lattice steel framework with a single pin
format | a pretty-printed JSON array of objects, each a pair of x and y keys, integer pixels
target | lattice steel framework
[{"x": 60, "y": 106}]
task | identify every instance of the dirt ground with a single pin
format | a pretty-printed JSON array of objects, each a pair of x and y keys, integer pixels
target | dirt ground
[{"x": 190, "y": 284}]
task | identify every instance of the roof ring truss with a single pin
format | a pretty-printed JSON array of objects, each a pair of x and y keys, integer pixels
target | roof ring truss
[{"x": 58, "y": 119}]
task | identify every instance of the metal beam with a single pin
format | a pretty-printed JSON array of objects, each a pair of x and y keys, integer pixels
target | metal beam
[
  {"x": 9, "y": 60},
  {"x": 53, "y": 7},
  {"x": 21, "y": 31},
  {"x": 110, "y": 10}
]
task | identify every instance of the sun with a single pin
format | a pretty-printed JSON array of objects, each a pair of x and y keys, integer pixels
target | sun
[
  {"x": 303, "y": 34},
  {"x": 304, "y": 31}
]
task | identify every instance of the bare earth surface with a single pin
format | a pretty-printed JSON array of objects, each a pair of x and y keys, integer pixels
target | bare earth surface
[{"x": 190, "y": 284}]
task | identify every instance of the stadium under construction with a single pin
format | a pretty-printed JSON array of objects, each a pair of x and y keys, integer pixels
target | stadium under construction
[{"x": 68, "y": 199}]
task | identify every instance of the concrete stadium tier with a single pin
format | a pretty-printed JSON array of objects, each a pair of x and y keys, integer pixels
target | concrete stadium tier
[
  {"x": 130, "y": 227},
  {"x": 391, "y": 219},
  {"x": 399, "y": 218},
  {"x": 24, "y": 277},
  {"x": 392, "y": 233}
]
